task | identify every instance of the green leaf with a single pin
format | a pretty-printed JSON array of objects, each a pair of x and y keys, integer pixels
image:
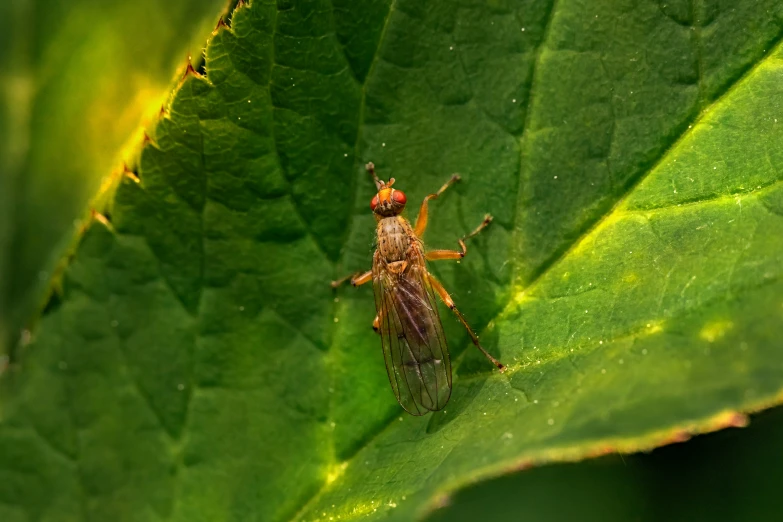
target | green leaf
[
  {"x": 76, "y": 80},
  {"x": 198, "y": 366}
]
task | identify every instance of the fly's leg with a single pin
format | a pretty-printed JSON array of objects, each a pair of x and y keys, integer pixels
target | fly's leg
[
  {"x": 359, "y": 278},
  {"x": 376, "y": 323},
  {"x": 444, "y": 295},
  {"x": 437, "y": 255},
  {"x": 421, "y": 219}
]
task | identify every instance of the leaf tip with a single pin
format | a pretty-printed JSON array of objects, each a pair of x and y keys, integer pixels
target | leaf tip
[
  {"x": 128, "y": 172},
  {"x": 101, "y": 218},
  {"x": 220, "y": 24},
  {"x": 190, "y": 70},
  {"x": 147, "y": 139}
]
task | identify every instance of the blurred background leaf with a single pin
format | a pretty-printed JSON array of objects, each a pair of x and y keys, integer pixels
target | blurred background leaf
[{"x": 77, "y": 79}]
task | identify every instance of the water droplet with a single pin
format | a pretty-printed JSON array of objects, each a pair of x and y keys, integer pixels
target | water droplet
[
  {"x": 550, "y": 421},
  {"x": 115, "y": 323},
  {"x": 180, "y": 386},
  {"x": 603, "y": 370}
]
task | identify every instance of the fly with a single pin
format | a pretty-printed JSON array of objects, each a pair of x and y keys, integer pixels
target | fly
[{"x": 414, "y": 346}]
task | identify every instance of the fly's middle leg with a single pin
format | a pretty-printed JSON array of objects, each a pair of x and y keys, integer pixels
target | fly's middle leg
[
  {"x": 437, "y": 255},
  {"x": 446, "y": 298},
  {"x": 421, "y": 219},
  {"x": 376, "y": 324},
  {"x": 359, "y": 278}
]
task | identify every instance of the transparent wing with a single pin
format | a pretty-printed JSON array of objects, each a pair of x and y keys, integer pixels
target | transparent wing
[{"x": 414, "y": 346}]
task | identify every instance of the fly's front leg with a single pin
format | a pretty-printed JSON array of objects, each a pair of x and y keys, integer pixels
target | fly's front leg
[
  {"x": 421, "y": 219},
  {"x": 444, "y": 295},
  {"x": 359, "y": 278},
  {"x": 437, "y": 255}
]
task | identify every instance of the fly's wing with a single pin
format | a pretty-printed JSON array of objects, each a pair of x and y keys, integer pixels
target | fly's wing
[{"x": 414, "y": 346}]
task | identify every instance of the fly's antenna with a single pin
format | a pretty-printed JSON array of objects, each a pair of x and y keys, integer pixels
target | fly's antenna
[
  {"x": 379, "y": 183},
  {"x": 371, "y": 169}
]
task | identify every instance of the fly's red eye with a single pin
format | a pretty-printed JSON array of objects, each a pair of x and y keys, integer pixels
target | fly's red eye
[
  {"x": 374, "y": 202},
  {"x": 399, "y": 197}
]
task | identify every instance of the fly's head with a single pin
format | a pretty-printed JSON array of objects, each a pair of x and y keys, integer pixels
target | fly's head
[{"x": 388, "y": 201}]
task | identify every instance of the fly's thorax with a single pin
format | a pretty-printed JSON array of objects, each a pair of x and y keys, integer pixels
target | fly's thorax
[{"x": 394, "y": 238}]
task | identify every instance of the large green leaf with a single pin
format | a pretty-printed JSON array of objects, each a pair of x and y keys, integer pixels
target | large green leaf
[
  {"x": 199, "y": 367},
  {"x": 76, "y": 79}
]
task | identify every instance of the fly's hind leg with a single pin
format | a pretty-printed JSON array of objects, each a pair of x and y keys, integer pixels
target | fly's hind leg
[
  {"x": 421, "y": 219},
  {"x": 446, "y": 298},
  {"x": 437, "y": 255},
  {"x": 359, "y": 278}
]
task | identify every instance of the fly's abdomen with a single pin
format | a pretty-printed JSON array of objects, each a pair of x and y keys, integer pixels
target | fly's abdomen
[{"x": 393, "y": 239}]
